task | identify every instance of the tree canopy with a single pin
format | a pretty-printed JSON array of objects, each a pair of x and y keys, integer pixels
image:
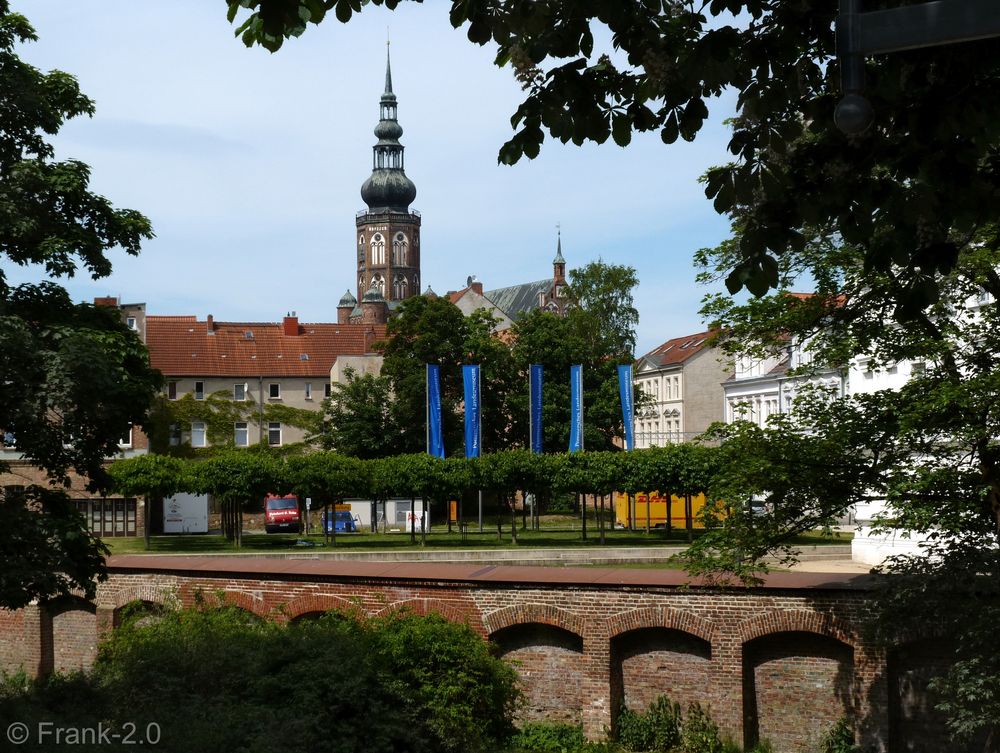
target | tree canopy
[
  {"x": 927, "y": 452},
  {"x": 73, "y": 377},
  {"x": 928, "y": 162}
]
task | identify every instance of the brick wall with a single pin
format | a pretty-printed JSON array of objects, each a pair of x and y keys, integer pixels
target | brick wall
[
  {"x": 796, "y": 686},
  {"x": 782, "y": 661},
  {"x": 549, "y": 661}
]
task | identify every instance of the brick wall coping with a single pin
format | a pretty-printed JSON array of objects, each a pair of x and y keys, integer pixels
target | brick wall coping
[{"x": 473, "y": 573}]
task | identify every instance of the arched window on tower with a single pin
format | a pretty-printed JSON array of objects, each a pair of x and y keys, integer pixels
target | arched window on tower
[
  {"x": 399, "y": 250},
  {"x": 399, "y": 288},
  {"x": 378, "y": 249},
  {"x": 378, "y": 281}
]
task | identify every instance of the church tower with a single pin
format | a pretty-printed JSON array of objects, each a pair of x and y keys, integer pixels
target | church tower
[{"x": 388, "y": 232}]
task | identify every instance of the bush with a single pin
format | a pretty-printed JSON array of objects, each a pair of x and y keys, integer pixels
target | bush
[
  {"x": 459, "y": 692},
  {"x": 548, "y": 737},
  {"x": 699, "y": 734},
  {"x": 221, "y": 679},
  {"x": 839, "y": 738},
  {"x": 664, "y": 719},
  {"x": 633, "y": 730}
]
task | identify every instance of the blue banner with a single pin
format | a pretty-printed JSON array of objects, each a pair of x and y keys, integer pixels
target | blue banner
[
  {"x": 535, "y": 405},
  {"x": 473, "y": 410},
  {"x": 625, "y": 387},
  {"x": 435, "y": 436},
  {"x": 576, "y": 408}
]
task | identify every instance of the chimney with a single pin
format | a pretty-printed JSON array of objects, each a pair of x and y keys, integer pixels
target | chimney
[
  {"x": 210, "y": 324},
  {"x": 291, "y": 326},
  {"x": 477, "y": 287}
]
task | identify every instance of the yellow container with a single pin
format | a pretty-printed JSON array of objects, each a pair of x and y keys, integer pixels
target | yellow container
[{"x": 657, "y": 507}]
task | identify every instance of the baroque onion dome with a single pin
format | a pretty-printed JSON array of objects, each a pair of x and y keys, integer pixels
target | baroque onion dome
[{"x": 388, "y": 188}]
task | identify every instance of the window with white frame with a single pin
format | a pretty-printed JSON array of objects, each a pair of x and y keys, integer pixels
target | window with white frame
[
  {"x": 198, "y": 434},
  {"x": 241, "y": 434},
  {"x": 274, "y": 434},
  {"x": 399, "y": 250},
  {"x": 274, "y": 391},
  {"x": 175, "y": 435},
  {"x": 309, "y": 391},
  {"x": 171, "y": 390},
  {"x": 199, "y": 390},
  {"x": 378, "y": 249},
  {"x": 126, "y": 440},
  {"x": 131, "y": 323},
  {"x": 240, "y": 392}
]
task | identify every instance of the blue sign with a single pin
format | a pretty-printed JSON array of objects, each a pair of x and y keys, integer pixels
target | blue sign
[
  {"x": 435, "y": 436},
  {"x": 473, "y": 410},
  {"x": 576, "y": 408},
  {"x": 628, "y": 404},
  {"x": 535, "y": 412}
]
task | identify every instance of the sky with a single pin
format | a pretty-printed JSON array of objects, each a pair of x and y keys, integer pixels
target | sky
[{"x": 249, "y": 164}]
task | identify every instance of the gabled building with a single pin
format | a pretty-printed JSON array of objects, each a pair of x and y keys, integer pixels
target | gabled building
[
  {"x": 264, "y": 366},
  {"x": 547, "y": 295},
  {"x": 681, "y": 380}
]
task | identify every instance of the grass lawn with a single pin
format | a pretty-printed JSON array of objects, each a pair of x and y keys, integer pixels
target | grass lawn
[{"x": 548, "y": 537}]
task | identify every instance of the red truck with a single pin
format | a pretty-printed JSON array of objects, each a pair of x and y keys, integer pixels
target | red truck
[{"x": 281, "y": 514}]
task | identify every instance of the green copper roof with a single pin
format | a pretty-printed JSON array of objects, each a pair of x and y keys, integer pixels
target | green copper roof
[
  {"x": 388, "y": 188},
  {"x": 518, "y": 299}
]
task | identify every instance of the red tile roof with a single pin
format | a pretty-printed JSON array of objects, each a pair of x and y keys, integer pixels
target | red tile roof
[
  {"x": 182, "y": 346},
  {"x": 678, "y": 350}
]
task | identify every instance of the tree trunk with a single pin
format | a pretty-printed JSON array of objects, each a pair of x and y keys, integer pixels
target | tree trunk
[
  {"x": 413, "y": 515},
  {"x": 581, "y": 500},
  {"x": 601, "y": 518},
  {"x": 689, "y": 517},
  {"x": 499, "y": 518},
  {"x": 145, "y": 518},
  {"x": 423, "y": 521},
  {"x": 513, "y": 518}
]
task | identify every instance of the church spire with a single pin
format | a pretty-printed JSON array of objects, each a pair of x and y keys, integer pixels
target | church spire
[
  {"x": 388, "y": 71},
  {"x": 388, "y": 188}
]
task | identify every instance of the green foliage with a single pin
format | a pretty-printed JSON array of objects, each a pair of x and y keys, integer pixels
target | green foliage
[
  {"x": 557, "y": 343},
  {"x": 664, "y": 718},
  {"x": 548, "y": 737},
  {"x": 460, "y": 695},
  {"x": 656, "y": 729},
  {"x": 633, "y": 730},
  {"x": 839, "y": 739},
  {"x": 603, "y": 293},
  {"x": 148, "y": 475},
  {"x": 74, "y": 377},
  {"x": 434, "y": 331},
  {"x": 219, "y": 678},
  {"x": 45, "y": 548},
  {"x": 699, "y": 733},
  {"x": 928, "y": 451},
  {"x": 358, "y": 417}
]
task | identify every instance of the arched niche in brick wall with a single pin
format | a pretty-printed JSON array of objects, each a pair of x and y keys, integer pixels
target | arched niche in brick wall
[
  {"x": 69, "y": 634},
  {"x": 652, "y": 661},
  {"x": 313, "y": 606},
  {"x": 915, "y": 726},
  {"x": 796, "y": 685},
  {"x": 550, "y": 662},
  {"x": 141, "y": 610},
  {"x": 544, "y": 614}
]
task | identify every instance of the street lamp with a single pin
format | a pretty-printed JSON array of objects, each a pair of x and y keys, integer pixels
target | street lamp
[{"x": 893, "y": 30}]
